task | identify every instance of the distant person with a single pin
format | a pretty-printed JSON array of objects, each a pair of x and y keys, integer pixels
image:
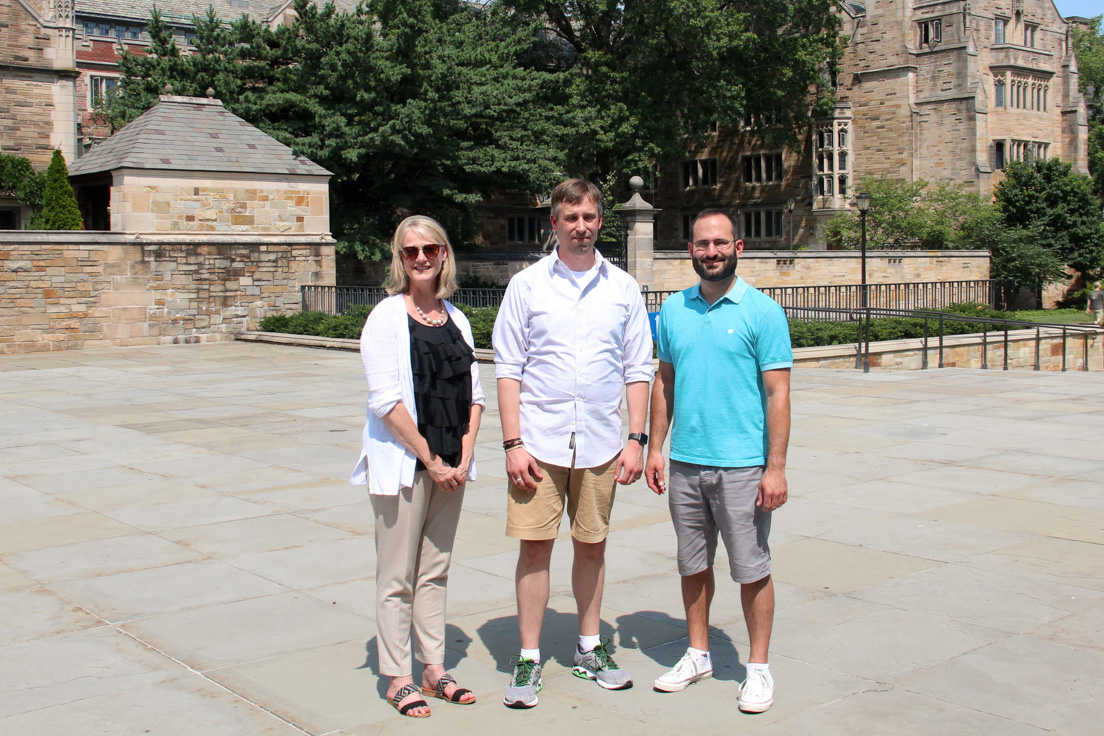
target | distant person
[
  {"x": 424, "y": 407},
  {"x": 1096, "y": 304},
  {"x": 723, "y": 388},
  {"x": 571, "y": 335}
]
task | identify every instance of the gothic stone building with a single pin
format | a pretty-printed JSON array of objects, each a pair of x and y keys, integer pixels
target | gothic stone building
[{"x": 928, "y": 89}]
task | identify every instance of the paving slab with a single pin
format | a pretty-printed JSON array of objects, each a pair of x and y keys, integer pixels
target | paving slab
[{"x": 180, "y": 554}]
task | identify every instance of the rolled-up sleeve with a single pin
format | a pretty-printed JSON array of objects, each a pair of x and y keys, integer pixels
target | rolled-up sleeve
[
  {"x": 637, "y": 359},
  {"x": 511, "y": 332},
  {"x": 379, "y": 349}
]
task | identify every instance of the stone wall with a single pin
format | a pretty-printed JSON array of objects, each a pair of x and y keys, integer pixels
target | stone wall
[
  {"x": 674, "y": 271},
  {"x": 968, "y": 351},
  {"x": 161, "y": 202},
  {"x": 71, "y": 290}
]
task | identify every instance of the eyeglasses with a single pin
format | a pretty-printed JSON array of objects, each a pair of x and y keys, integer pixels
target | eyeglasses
[
  {"x": 410, "y": 252},
  {"x": 719, "y": 244}
]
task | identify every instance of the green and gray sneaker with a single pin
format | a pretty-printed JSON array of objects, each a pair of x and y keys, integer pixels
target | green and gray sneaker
[
  {"x": 524, "y": 685},
  {"x": 598, "y": 665}
]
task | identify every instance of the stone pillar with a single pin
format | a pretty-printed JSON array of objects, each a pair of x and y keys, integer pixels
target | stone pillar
[{"x": 639, "y": 218}]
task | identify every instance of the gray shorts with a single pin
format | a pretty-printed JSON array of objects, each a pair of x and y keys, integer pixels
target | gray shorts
[{"x": 704, "y": 500}]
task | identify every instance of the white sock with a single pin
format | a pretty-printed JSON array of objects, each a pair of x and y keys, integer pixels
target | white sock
[
  {"x": 701, "y": 655},
  {"x": 533, "y": 654},
  {"x": 587, "y": 643},
  {"x": 760, "y": 667}
]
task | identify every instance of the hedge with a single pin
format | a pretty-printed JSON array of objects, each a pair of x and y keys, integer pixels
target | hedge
[{"x": 812, "y": 333}]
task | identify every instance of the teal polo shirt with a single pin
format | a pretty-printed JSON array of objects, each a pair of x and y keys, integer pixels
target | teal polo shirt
[{"x": 719, "y": 353}]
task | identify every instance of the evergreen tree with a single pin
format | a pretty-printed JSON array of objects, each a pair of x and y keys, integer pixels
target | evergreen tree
[
  {"x": 416, "y": 106},
  {"x": 59, "y": 205},
  {"x": 429, "y": 106}
]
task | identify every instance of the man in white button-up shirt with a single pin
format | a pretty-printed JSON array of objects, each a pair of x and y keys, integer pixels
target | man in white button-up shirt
[{"x": 571, "y": 335}]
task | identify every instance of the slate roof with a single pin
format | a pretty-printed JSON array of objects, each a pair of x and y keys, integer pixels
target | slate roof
[
  {"x": 194, "y": 134},
  {"x": 177, "y": 10}
]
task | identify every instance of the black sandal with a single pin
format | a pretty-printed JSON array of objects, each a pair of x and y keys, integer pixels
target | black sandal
[
  {"x": 438, "y": 691},
  {"x": 404, "y": 691}
]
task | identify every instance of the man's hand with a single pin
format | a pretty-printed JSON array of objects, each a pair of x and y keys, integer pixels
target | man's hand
[
  {"x": 653, "y": 472},
  {"x": 772, "y": 489},
  {"x": 630, "y": 463},
  {"x": 522, "y": 469}
]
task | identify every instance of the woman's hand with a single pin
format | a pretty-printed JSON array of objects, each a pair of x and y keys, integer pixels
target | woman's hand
[
  {"x": 462, "y": 471},
  {"x": 443, "y": 474}
]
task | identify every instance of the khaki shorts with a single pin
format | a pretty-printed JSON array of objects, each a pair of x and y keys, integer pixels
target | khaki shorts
[{"x": 589, "y": 493}]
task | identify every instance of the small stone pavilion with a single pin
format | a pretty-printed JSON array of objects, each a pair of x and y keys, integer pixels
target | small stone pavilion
[
  {"x": 197, "y": 226},
  {"x": 188, "y": 165}
]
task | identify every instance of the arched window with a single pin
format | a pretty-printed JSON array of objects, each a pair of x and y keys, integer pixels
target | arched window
[{"x": 998, "y": 93}]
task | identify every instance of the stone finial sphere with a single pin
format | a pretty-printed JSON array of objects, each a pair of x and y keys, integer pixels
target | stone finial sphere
[
  {"x": 210, "y": 92},
  {"x": 168, "y": 89},
  {"x": 636, "y": 183}
]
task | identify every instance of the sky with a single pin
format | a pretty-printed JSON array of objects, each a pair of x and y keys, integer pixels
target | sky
[{"x": 1084, "y": 8}]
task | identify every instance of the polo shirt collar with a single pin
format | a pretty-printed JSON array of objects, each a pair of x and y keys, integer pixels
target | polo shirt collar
[{"x": 734, "y": 294}]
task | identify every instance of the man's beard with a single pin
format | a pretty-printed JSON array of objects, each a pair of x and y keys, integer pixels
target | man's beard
[{"x": 723, "y": 275}]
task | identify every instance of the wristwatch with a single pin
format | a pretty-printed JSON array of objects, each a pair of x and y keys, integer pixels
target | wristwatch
[{"x": 639, "y": 437}]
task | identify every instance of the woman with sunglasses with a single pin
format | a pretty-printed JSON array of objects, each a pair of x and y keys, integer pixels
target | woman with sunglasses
[{"x": 424, "y": 406}]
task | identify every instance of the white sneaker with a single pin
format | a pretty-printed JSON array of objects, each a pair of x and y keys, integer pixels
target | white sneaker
[
  {"x": 685, "y": 672},
  {"x": 756, "y": 692}
]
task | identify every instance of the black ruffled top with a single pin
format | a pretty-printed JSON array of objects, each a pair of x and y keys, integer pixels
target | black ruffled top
[{"x": 441, "y": 363}]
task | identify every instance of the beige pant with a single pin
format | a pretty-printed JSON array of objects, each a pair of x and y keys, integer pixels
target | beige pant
[{"x": 414, "y": 535}]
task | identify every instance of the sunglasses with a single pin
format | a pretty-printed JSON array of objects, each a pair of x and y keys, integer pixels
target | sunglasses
[{"x": 410, "y": 252}]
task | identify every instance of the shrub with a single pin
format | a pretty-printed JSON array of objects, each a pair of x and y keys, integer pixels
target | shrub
[
  {"x": 347, "y": 325},
  {"x": 482, "y": 323}
]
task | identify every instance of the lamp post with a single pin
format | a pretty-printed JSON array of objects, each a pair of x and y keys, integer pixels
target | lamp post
[
  {"x": 863, "y": 201},
  {"x": 789, "y": 210}
]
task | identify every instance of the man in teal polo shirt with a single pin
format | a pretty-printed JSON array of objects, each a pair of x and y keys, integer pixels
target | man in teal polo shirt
[{"x": 724, "y": 379}]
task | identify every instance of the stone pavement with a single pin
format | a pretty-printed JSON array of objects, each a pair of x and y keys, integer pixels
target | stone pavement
[{"x": 180, "y": 554}]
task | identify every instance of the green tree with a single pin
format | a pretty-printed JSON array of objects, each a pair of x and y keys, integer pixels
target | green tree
[
  {"x": 908, "y": 215},
  {"x": 648, "y": 76},
  {"x": 1059, "y": 206},
  {"x": 1088, "y": 46},
  {"x": 19, "y": 177},
  {"x": 416, "y": 106},
  {"x": 1016, "y": 253},
  {"x": 59, "y": 205}
]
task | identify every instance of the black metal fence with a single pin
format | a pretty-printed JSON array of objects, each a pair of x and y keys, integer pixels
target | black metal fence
[
  {"x": 809, "y": 302},
  {"x": 826, "y": 302},
  {"x": 338, "y": 299},
  {"x": 935, "y": 329}
]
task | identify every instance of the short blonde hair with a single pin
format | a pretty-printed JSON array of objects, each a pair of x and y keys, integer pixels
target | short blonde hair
[{"x": 397, "y": 281}]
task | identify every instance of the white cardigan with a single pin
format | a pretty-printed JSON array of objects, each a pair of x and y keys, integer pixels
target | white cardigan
[{"x": 385, "y": 350}]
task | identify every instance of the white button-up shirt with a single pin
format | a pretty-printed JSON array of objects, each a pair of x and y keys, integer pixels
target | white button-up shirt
[{"x": 573, "y": 344}]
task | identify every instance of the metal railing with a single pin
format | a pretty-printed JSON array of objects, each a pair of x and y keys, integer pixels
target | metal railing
[
  {"x": 817, "y": 302},
  {"x": 338, "y": 299},
  {"x": 826, "y": 302},
  {"x": 939, "y": 320}
]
